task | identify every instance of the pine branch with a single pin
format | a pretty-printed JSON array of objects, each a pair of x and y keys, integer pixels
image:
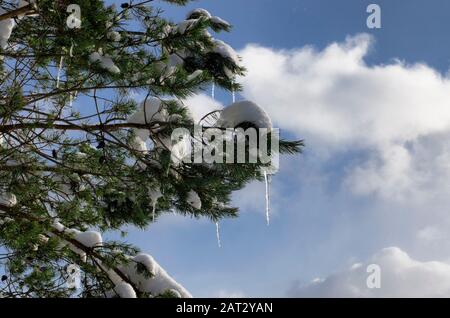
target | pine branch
[
  {"x": 67, "y": 238},
  {"x": 81, "y": 127},
  {"x": 41, "y": 168},
  {"x": 78, "y": 161},
  {"x": 291, "y": 147},
  {"x": 25, "y": 10}
]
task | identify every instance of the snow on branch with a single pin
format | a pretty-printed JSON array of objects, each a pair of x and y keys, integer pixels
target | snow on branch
[
  {"x": 141, "y": 274},
  {"x": 244, "y": 111},
  {"x": 128, "y": 278},
  {"x": 105, "y": 61},
  {"x": 6, "y": 27}
]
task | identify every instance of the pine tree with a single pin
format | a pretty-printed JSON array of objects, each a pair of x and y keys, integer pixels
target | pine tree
[{"x": 74, "y": 153}]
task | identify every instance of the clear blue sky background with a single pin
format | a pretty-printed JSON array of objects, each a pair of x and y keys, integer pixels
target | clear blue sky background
[{"x": 314, "y": 230}]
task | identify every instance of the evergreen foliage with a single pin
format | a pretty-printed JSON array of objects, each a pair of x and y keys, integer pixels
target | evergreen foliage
[{"x": 66, "y": 146}]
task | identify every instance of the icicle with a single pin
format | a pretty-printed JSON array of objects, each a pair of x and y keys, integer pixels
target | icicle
[
  {"x": 219, "y": 243},
  {"x": 266, "y": 180},
  {"x": 72, "y": 97},
  {"x": 71, "y": 51},
  {"x": 234, "y": 96},
  {"x": 61, "y": 60},
  {"x": 153, "y": 210},
  {"x": 213, "y": 90},
  {"x": 154, "y": 195}
]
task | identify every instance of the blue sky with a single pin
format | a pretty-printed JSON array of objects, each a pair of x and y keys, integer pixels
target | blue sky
[
  {"x": 412, "y": 30},
  {"x": 354, "y": 195}
]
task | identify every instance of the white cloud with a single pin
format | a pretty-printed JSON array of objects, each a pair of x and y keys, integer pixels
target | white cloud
[
  {"x": 201, "y": 104},
  {"x": 339, "y": 103},
  {"x": 431, "y": 234},
  {"x": 401, "y": 276}
]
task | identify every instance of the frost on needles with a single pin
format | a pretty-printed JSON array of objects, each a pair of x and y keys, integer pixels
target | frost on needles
[{"x": 79, "y": 156}]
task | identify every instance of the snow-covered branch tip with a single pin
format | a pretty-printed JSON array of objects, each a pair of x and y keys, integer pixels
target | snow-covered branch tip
[{"x": 128, "y": 278}]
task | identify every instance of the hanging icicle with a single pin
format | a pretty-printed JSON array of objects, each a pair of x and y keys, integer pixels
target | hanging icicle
[
  {"x": 213, "y": 91},
  {"x": 71, "y": 50},
  {"x": 72, "y": 97},
  {"x": 61, "y": 61},
  {"x": 267, "y": 180},
  {"x": 154, "y": 195},
  {"x": 233, "y": 94},
  {"x": 219, "y": 243}
]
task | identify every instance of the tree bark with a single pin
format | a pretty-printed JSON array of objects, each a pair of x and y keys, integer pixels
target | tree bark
[{"x": 20, "y": 11}]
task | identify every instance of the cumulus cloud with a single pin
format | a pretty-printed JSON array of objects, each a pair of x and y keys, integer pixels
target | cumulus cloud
[
  {"x": 201, "y": 104},
  {"x": 397, "y": 113},
  {"x": 431, "y": 234},
  {"x": 401, "y": 276},
  {"x": 335, "y": 95}
]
